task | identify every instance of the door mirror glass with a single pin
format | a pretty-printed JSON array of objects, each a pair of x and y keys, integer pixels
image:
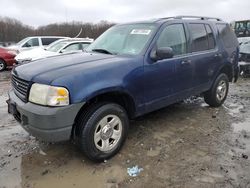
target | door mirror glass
[
  {"x": 62, "y": 51},
  {"x": 164, "y": 53},
  {"x": 27, "y": 45}
]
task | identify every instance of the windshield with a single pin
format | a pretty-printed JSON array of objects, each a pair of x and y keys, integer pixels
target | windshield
[
  {"x": 123, "y": 39},
  {"x": 56, "y": 47},
  {"x": 245, "y": 48},
  {"x": 22, "y": 41},
  {"x": 243, "y": 40}
]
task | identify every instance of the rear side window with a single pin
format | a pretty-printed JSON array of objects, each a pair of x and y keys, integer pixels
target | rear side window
[
  {"x": 227, "y": 35},
  {"x": 72, "y": 47},
  {"x": 199, "y": 36},
  {"x": 210, "y": 37},
  {"x": 173, "y": 36},
  {"x": 47, "y": 41}
]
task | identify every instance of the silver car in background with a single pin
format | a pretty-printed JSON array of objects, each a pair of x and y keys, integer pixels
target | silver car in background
[
  {"x": 62, "y": 46},
  {"x": 34, "y": 42}
]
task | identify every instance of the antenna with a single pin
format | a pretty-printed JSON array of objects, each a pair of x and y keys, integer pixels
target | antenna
[{"x": 78, "y": 34}]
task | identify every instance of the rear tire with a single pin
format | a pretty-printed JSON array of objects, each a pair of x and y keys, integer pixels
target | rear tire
[
  {"x": 2, "y": 65},
  {"x": 216, "y": 96},
  {"x": 101, "y": 130}
]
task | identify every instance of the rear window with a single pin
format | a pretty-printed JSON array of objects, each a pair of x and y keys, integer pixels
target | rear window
[
  {"x": 47, "y": 41},
  {"x": 199, "y": 36},
  {"x": 227, "y": 35}
]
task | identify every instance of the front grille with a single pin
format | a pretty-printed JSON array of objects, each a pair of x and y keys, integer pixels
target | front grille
[
  {"x": 20, "y": 87},
  {"x": 245, "y": 57}
]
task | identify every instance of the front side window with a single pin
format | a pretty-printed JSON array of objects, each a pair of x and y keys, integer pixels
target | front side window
[
  {"x": 199, "y": 36},
  {"x": 72, "y": 47},
  {"x": 55, "y": 47},
  {"x": 22, "y": 41},
  {"x": 129, "y": 39},
  {"x": 32, "y": 42},
  {"x": 173, "y": 36}
]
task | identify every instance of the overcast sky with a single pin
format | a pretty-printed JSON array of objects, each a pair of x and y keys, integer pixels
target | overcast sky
[{"x": 43, "y": 12}]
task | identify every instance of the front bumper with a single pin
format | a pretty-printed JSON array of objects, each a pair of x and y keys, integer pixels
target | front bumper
[
  {"x": 50, "y": 124},
  {"x": 10, "y": 62}
]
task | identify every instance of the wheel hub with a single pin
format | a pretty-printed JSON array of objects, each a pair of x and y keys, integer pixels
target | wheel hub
[
  {"x": 106, "y": 132},
  {"x": 221, "y": 90}
]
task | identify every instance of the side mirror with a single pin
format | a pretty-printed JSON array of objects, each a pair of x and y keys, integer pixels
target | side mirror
[
  {"x": 27, "y": 45},
  {"x": 162, "y": 53},
  {"x": 63, "y": 51}
]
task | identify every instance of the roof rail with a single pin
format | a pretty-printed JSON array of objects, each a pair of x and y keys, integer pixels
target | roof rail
[
  {"x": 199, "y": 17},
  {"x": 193, "y": 17}
]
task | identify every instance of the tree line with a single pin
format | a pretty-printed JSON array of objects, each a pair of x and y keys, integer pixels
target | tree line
[{"x": 14, "y": 30}]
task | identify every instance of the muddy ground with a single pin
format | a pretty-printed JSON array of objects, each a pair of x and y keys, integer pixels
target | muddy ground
[{"x": 184, "y": 145}]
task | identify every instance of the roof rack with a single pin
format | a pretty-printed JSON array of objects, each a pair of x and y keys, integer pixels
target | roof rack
[{"x": 193, "y": 17}]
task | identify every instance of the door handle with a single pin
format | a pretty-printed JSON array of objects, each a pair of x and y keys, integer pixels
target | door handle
[
  {"x": 186, "y": 62},
  {"x": 218, "y": 55}
]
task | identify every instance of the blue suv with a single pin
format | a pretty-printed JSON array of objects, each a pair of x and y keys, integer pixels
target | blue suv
[{"x": 130, "y": 70}]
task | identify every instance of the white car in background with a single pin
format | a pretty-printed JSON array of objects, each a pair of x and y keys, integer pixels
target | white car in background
[
  {"x": 34, "y": 42},
  {"x": 56, "y": 48}
]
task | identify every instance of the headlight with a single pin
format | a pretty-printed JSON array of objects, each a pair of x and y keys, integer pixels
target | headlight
[
  {"x": 49, "y": 95},
  {"x": 12, "y": 52}
]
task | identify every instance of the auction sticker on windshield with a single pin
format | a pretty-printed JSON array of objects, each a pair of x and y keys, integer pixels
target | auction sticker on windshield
[{"x": 140, "y": 31}]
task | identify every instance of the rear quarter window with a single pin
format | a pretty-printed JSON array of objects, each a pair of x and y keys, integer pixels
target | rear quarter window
[
  {"x": 226, "y": 34},
  {"x": 47, "y": 41},
  {"x": 210, "y": 37}
]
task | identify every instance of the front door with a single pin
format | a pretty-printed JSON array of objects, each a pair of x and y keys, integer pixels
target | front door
[{"x": 166, "y": 80}]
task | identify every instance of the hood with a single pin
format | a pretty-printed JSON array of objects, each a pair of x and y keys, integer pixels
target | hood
[
  {"x": 14, "y": 47},
  {"x": 47, "y": 69},
  {"x": 34, "y": 54}
]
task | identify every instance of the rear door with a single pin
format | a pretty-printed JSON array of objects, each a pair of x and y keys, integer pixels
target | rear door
[{"x": 204, "y": 55}]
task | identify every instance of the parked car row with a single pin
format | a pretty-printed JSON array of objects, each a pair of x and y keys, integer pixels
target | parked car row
[
  {"x": 61, "y": 46},
  {"x": 33, "y": 48}
]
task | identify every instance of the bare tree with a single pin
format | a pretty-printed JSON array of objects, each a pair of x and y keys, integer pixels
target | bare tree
[{"x": 14, "y": 30}]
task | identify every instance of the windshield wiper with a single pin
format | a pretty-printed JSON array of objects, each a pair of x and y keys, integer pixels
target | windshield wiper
[{"x": 102, "y": 51}]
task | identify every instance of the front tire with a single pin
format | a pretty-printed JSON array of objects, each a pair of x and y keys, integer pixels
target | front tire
[
  {"x": 102, "y": 130},
  {"x": 216, "y": 96},
  {"x": 2, "y": 65}
]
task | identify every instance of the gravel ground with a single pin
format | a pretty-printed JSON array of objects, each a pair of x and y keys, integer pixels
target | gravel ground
[{"x": 187, "y": 144}]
